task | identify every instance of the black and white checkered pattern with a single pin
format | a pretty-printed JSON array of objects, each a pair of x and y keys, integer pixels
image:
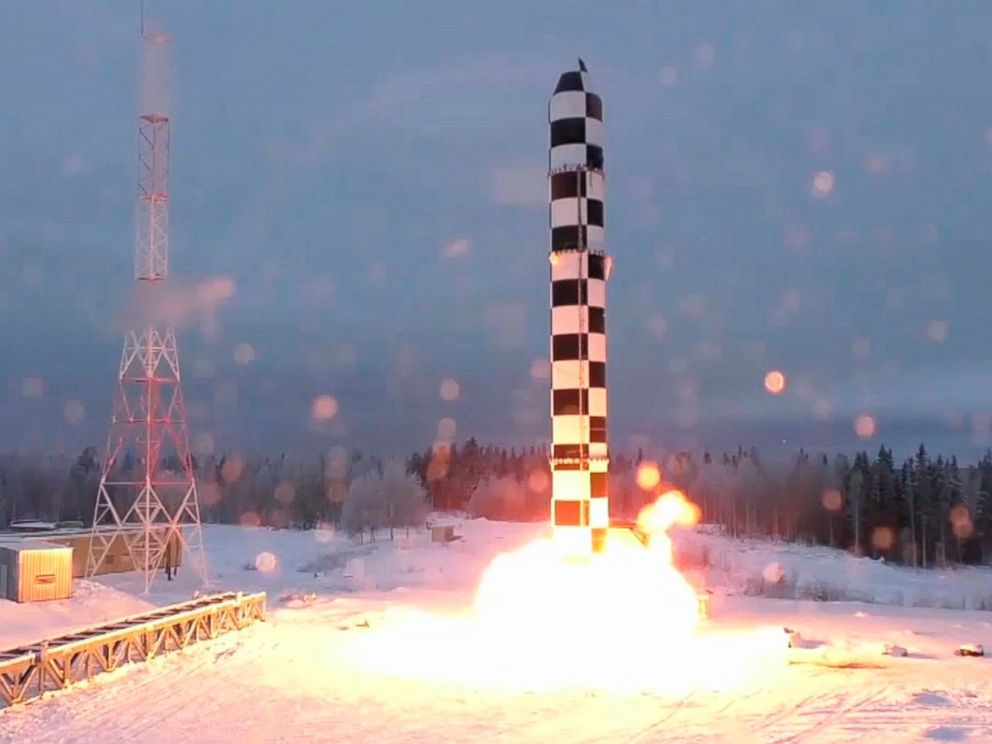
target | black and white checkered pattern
[{"x": 579, "y": 269}]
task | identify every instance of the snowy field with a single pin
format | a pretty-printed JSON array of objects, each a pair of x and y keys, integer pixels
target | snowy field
[
  {"x": 747, "y": 566},
  {"x": 335, "y": 603}
]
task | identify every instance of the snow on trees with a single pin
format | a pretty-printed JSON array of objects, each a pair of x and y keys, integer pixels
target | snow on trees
[{"x": 386, "y": 496}]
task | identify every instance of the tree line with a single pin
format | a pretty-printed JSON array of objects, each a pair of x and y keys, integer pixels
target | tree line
[{"x": 924, "y": 511}]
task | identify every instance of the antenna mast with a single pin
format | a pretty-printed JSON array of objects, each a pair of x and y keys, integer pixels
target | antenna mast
[{"x": 147, "y": 501}]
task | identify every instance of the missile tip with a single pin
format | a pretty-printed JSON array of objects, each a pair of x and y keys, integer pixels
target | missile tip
[{"x": 582, "y": 66}]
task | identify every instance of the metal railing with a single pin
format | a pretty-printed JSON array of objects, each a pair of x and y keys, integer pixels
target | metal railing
[{"x": 29, "y": 671}]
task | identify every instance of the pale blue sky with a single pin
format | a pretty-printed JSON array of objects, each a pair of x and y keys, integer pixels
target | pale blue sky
[{"x": 327, "y": 156}]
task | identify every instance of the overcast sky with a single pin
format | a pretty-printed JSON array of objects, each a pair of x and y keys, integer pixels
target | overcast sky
[{"x": 797, "y": 189}]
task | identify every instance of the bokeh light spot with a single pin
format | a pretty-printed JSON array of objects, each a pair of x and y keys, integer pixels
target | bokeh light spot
[
  {"x": 864, "y": 426},
  {"x": 648, "y": 475},
  {"x": 74, "y": 411},
  {"x": 446, "y": 429},
  {"x": 450, "y": 389},
  {"x": 937, "y": 331},
  {"x": 324, "y": 408},
  {"x": 775, "y": 382},
  {"x": 883, "y": 538},
  {"x": 961, "y": 523},
  {"x": 832, "y": 500},
  {"x": 823, "y": 184},
  {"x": 704, "y": 56},
  {"x": 232, "y": 468},
  {"x": 244, "y": 353},
  {"x": 458, "y": 248},
  {"x": 540, "y": 369},
  {"x": 538, "y": 481},
  {"x": 32, "y": 387}
]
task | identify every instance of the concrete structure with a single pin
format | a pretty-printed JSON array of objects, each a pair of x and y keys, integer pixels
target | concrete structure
[
  {"x": 35, "y": 571},
  {"x": 579, "y": 270}
]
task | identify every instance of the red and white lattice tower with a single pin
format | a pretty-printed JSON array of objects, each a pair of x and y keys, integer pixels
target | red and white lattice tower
[{"x": 147, "y": 496}]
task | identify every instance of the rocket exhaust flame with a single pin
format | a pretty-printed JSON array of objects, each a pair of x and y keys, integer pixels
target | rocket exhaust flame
[
  {"x": 622, "y": 602},
  {"x": 623, "y": 621}
]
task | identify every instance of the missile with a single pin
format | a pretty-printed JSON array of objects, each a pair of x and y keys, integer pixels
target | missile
[{"x": 579, "y": 270}]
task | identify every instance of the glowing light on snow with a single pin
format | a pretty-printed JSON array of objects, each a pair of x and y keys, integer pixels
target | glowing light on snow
[
  {"x": 648, "y": 475},
  {"x": 623, "y": 620},
  {"x": 864, "y": 426},
  {"x": 823, "y": 184},
  {"x": 449, "y": 389},
  {"x": 773, "y": 573},
  {"x": 775, "y": 382},
  {"x": 266, "y": 562},
  {"x": 324, "y": 408}
]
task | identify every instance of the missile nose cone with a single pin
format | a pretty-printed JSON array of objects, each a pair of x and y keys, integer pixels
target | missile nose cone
[{"x": 573, "y": 80}]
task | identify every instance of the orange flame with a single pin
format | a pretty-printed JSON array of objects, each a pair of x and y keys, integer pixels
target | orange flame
[
  {"x": 562, "y": 613},
  {"x": 621, "y": 620}
]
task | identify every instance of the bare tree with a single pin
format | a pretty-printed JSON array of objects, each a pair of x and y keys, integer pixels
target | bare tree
[{"x": 366, "y": 507}]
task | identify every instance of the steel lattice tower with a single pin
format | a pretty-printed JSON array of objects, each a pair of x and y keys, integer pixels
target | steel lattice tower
[{"x": 147, "y": 496}]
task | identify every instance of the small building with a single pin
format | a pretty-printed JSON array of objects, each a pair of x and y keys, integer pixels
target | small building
[
  {"x": 35, "y": 571},
  {"x": 116, "y": 560}
]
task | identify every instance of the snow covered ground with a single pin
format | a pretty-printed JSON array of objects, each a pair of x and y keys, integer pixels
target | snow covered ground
[
  {"x": 300, "y": 676},
  {"x": 816, "y": 572}
]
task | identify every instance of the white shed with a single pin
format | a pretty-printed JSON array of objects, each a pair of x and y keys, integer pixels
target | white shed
[{"x": 35, "y": 571}]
